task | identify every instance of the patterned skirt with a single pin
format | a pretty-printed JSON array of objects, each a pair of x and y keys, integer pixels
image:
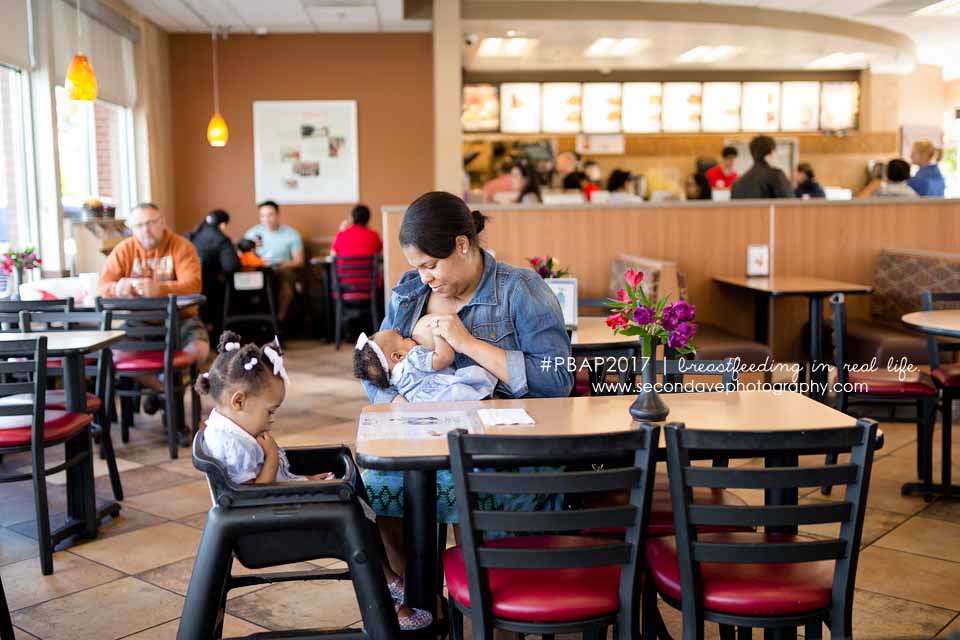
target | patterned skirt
[{"x": 385, "y": 491}]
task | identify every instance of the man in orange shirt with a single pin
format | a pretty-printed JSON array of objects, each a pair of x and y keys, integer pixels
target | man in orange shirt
[{"x": 156, "y": 262}]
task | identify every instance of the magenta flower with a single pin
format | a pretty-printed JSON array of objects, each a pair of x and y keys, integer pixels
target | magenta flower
[
  {"x": 644, "y": 315},
  {"x": 676, "y": 313},
  {"x": 681, "y": 335}
]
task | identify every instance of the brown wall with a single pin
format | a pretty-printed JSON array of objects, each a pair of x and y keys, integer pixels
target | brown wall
[{"x": 389, "y": 75}]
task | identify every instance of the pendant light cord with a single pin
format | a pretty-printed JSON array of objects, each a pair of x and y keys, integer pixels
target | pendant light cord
[
  {"x": 79, "y": 40},
  {"x": 216, "y": 77}
]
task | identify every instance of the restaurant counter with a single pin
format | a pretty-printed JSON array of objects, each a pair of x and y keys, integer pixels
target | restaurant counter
[{"x": 826, "y": 238}]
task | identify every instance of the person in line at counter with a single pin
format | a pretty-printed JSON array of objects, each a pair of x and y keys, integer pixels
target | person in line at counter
[
  {"x": 807, "y": 186},
  {"x": 697, "y": 187},
  {"x": 568, "y": 170},
  {"x": 763, "y": 180},
  {"x": 503, "y": 182},
  {"x": 530, "y": 191},
  {"x": 928, "y": 181},
  {"x": 157, "y": 262},
  {"x": 722, "y": 176},
  {"x": 622, "y": 187},
  {"x": 894, "y": 186},
  {"x": 281, "y": 248},
  {"x": 593, "y": 176}
]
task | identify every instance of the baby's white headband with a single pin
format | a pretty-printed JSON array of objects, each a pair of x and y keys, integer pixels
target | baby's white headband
[{"x": 363, "y": 341}]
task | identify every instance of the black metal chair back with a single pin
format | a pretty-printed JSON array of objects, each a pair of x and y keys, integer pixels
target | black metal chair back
[
  {"x": 23, "y": 370},
  {"x": 354, "y": 285},
  {"x": 252, "y": 292},
  {"x": 151, "y": 324},
  {"x": 684, "y": 445},
  {"x": 10, "y": 311},
  {"x": 931, "y": 301},
  {"x": 498, "y": 456}
]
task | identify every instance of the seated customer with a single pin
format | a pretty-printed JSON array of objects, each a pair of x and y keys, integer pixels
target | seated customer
[
  {"x": 357, "y": 239},
  {"x": 249, "y": 260},
  {"x": 419, "y": 367},
  {"x": 217, "y": 258},
  {"x": 282, "y": 249},
  {"x": 928, "y": 181},
  {"x": 807, "y": 187},
  {"x": 157, "y": 262},
  {"x": 762, "y": 180}
]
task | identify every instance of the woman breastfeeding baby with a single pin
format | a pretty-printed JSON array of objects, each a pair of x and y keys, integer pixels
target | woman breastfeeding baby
[{"x": 459, "y": 326}]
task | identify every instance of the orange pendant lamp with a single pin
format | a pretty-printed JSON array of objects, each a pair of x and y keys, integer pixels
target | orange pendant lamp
[
  {"x": 81, "y": 82},
  {"x": 217, "y": 133}
]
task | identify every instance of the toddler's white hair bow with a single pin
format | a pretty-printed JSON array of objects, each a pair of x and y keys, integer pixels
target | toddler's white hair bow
[{"x": 277, "y": 360}]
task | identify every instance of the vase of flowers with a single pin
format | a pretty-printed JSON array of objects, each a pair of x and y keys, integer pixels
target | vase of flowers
[
  {"x": 14, "y": 263},
  {"x": 654, "y": 323},
  {"x": 547, "y": 267}
]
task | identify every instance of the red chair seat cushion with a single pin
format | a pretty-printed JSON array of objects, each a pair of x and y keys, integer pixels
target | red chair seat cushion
[
  {"x": 947, "y": 375},
  {"x": 58, "y": 425},
  {"x": 56, "y": 399},
  {"x": 888, "y": 383},
  {"x": 747, "y": 589},
  {"x": 354, "y": 296},
  {"x": 128, "y": 361},
  {"x": 540, "y": 595}
]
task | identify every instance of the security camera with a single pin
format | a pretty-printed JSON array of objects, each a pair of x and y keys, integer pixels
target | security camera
[{"x": 471, "y": 39}]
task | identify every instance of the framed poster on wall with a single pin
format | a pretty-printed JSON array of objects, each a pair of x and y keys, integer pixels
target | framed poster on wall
[{"x": 306, "y": 151}]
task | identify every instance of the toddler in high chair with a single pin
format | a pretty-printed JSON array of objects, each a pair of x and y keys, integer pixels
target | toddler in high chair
[
  {"x": 419, "y": 367},
  {"x": 248, "y": 385}
]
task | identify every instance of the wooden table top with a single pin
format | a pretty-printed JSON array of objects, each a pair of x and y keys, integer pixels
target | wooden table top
[
  {"x": 63, "y": 342},
  {"x": 593, "y": 332},
  {"x": 793, "y": 285},
  {"x": 939, "y": 323},
  {"x": 736, "y": 411}
]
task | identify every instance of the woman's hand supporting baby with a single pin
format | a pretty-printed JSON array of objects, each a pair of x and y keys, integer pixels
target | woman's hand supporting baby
[
  {"x": 443, "y": 353},
  {"x": 451, "y": 328}
]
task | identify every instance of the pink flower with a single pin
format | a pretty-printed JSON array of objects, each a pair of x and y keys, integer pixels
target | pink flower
[
  {"x": 617, "y": 320},
  {"x": 633, "y": 277},
  {"x": 534, "y": 261},
  {"x": 622, "y": 295}
]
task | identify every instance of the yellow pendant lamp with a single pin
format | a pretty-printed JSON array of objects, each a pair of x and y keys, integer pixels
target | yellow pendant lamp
[
  {"x": 81, "y": 82},
  {"x": 217, "y": 134}
]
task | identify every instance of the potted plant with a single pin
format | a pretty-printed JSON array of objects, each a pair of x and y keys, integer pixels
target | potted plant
[
  {"x": 13, "y": 264},
  {"x": 563, "y": 286},
  {"x": 547, "y": 267},
  {"x": 671, "y": 324}
]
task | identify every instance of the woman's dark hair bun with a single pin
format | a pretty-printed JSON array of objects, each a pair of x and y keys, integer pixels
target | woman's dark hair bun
[
  {"x": 479, "y": 220},
  {"x": 225, "y": 337}
]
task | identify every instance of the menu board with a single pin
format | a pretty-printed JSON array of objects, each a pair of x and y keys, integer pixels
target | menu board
[
  {"x": 681, "y": 106},
  {"x": 601, "y": 107},
  {"x": 839, "y": 103},
  {"x": 760, "y": 110},
  {"x": 561, "y": 107},
  {"x": 481, "y": 108},
  {"x": 721, "y": 106},
  {"x": 520, "y": 107},
  {"x": 800, "y": 106},
  {"x": 642, "y": 102}
]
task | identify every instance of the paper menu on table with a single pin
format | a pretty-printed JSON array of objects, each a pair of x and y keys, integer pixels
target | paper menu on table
[
  {"x": 413, "y": 425},
  {"x": 494, "y": 417}
]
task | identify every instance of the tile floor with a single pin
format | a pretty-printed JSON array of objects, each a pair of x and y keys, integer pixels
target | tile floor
[{"x": 131, "y": 581}]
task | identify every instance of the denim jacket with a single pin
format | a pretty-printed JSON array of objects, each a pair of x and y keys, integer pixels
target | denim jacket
[{"x": 512, "y": 309}]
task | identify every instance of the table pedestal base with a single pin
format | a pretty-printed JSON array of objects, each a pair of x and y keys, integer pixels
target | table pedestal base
[{"x": 930, "y": 490}]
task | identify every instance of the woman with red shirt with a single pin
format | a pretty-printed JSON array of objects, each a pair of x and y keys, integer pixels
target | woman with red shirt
[{"x": 357, "y": 239}]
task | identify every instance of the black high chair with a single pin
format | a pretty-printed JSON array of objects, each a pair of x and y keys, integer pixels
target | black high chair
[{"x": 270, "y": 525}]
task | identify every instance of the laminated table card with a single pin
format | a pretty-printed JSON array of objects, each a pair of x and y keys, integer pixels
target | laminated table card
[
  {"x": 504, "y": 416},
  {"x": 412, "y": 425}
]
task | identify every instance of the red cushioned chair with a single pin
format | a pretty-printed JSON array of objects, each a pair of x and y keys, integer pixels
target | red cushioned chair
[
  {"x": 772, "y": 579},
  {"x": 355, "y": 290},
  {"x": 28, "y": 426},
  {"x": 99, "y": 367},
  {"x": 946, "y": 375},
  {"x": 548, "y": 584},
  {"x": 152, "y": 347},
  {"x": 886, "y": 388}
]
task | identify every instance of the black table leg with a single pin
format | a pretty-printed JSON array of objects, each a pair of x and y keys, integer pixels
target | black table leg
[
  {"x": 761, "y": 318},
  {"x": 420, "y": 539},
  {"x": 818, "y": 374},
  {"x": 777, "y": 497},
  {"x": 81, "y": 496}
]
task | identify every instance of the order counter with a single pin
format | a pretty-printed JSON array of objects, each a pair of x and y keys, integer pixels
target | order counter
[{"x": 839, "y": 240}]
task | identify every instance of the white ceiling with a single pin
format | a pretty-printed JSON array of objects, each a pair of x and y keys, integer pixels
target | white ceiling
[{"x": 279, "y": 16}]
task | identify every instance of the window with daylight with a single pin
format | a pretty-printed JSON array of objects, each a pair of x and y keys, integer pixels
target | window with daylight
[
  {"x": 96, "y": 153},
  {"x": 13, "y": 161}
]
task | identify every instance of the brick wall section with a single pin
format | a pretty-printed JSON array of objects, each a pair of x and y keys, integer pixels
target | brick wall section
[{"x": 106, "y": 134}]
